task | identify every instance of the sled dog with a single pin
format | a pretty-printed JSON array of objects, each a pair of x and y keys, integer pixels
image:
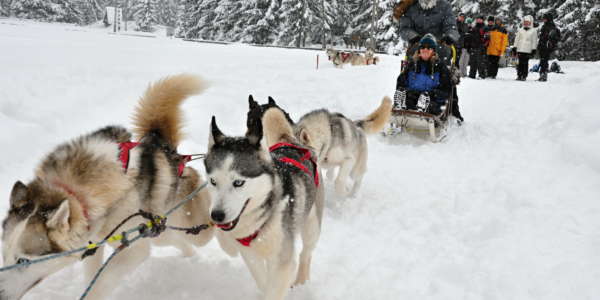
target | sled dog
[
  {"x": 341, "y": 142},
  {"x": 340, "y": 58},
  {"x": 265, "y": 199},
  {"x": 85, "y": 187}
]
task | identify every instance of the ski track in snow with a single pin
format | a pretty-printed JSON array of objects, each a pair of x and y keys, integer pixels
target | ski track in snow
[{"x": 505, "y": 208}]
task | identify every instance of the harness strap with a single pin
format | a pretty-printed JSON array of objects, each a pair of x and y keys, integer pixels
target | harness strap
[
  {"x": 306, "y": 155},
  {"x": 126, "y": 147}
]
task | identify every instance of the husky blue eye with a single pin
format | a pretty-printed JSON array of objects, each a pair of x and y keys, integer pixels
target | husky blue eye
[
  {"x": 238, "y": 183},
  {"x": 22, "y": 260},
  {"x": 213, "y": 182}
]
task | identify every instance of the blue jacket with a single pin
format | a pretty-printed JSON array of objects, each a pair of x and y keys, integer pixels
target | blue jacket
[{"x": 426, "y": 76}]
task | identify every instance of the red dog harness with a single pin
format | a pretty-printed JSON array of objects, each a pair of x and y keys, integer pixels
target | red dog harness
[
  {"x": 298, "y": 164},
  {"x": 126, "y": 147},
  {"x": 306, "y": 156}
]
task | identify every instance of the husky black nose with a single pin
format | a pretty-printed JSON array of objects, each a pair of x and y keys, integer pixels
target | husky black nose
[{"x": 217, "y": 215}]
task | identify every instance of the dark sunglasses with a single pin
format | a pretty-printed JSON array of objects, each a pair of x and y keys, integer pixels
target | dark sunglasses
[{"x": 427, "y": 47}]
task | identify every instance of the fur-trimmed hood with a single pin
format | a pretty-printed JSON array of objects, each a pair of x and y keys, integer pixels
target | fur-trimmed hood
[{"x": 427, "y": 4}]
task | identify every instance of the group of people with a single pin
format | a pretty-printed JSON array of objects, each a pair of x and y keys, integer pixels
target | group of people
[
  {"x": 481, "y": 45},
  {"x": 429, "y": 77}
]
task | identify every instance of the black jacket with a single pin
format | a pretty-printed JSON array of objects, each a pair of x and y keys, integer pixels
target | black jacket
[{"x": 549, "y": 37}]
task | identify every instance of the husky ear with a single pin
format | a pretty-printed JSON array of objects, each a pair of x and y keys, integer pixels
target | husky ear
[
  {"x": 18, "y": 195},
  {"x": 255, "y": 132},
  {"x": 304, "y": 138},
  {"x": 272, "y": 101},
  {"x": 216, "y": 136},
  {"x": 251, "y": 103},
  {"x": 59, "y": 219}
]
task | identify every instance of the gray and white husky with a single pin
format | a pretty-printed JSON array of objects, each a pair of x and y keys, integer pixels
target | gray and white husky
[
  {"x": 85, "y": 187},
  {"x": 341, "y": 142},
  {"x": 263, "y": 203}
]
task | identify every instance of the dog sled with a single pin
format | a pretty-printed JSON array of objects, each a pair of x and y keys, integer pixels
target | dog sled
[{"x": 421, "y": 124}]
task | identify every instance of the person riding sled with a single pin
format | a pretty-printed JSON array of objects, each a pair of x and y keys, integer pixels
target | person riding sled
[
  {"x": 418, "y": 18},
  {"x": 425, "y": 84}
]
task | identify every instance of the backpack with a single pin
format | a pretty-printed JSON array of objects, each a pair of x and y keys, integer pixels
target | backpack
[{"x": 555, "y": 67}]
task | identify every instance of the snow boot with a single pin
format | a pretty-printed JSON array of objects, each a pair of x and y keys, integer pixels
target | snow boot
[
  {"x": 423, "y": 102},
  {"x": 543, "y": 77},
  {"x": 400, "y": 100}
]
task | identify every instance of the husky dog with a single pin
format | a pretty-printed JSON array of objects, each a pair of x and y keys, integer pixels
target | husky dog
[
  {"x": 370, "y": 57},
  {"x": 262, "y": 203},
  {"x": 341, "y": 142},
  {"x": 85, "y": 187},
  {"x": 340, "y": 58}
]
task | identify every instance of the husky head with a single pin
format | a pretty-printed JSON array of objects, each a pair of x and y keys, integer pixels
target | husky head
[
  {"x": 240, "y": 173},
  {"x": 256, "y": 112},
  {"x": 40, "y": 222}
]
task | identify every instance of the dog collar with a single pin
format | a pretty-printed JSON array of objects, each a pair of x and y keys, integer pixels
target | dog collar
[
  {"x": 126, "y": 147},
  {"x": 82, "y": 202},
  {"x": 247, "y": 240},
  {"x": 306, "y": 156}
]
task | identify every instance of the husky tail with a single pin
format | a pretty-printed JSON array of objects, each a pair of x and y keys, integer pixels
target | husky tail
[
  {"x": 375, "y": 122},
  {"x": 158, "y": 109}
]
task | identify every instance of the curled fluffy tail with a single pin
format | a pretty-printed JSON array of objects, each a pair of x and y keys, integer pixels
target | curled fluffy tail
[
  {"x": 375, "y": 122},
  {"x": 158, "y": 109}
]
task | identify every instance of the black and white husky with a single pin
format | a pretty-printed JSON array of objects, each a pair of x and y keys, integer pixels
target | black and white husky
[{"x": 266, "y": 199}]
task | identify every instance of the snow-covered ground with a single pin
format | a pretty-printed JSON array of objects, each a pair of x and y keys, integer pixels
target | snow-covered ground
[{"x": 507, "y": 207}]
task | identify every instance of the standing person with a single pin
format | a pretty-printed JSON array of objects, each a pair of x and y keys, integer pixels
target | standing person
[
  {"x": 549, "y": 38},
  {"x": 464, "y": 55},
  {"x": 462, "y": 28},
  {"x": 496, "y": 48},
  {"x": 433, "y": 17},
  {"x": 429, "y": 16},
  {"x": 525, "y": 43},
  {"x": 478, "y": 45}
]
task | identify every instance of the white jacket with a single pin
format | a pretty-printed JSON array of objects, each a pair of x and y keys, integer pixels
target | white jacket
[{"x": 526, "y": 40}]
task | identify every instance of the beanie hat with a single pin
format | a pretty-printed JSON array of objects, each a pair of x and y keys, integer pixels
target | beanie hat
[
  {"x": 490, "y": 18},
  {"x": 462, "y": 15},
  {"x": 428, "y": 40},
  {"x": 528, "y": 18},
  {"x": 548, "y": 16},
  {"x": 469, "y": 20}
]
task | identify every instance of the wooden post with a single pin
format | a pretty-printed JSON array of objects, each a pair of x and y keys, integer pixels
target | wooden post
[{"x": 115, "y": 21}]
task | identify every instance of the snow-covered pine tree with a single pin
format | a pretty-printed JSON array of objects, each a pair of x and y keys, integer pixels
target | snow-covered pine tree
[
  {"x": 145, "y": 15},
  {"x": 293, "y": 27},
  {"x": 303, "y": 21},
  {"x": 572, "y": 14},
  {"x": 201, "y": 16},
  {"x": 386, "y": 35},
  {"x": 261, "y": 22},
  {"x": 3, "y": 10},
  {"x": 166, "y": 12},
  {"x": 591, "y": 31},
  {"x": 47, "y": 10}
]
